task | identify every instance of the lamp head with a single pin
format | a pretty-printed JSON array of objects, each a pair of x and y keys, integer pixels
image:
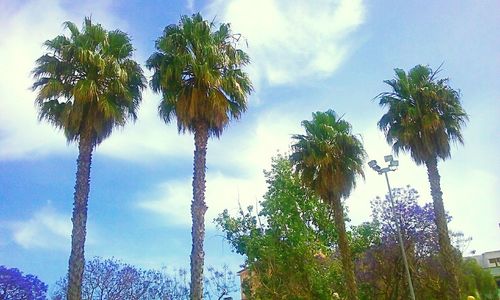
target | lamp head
[
  {"x": 372, "y": 163},
  {"x": 388, "y": 158}
]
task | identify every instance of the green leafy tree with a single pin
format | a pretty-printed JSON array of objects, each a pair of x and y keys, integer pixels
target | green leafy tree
[
  {"x": 87, "y": 85},
  {"x": 477, "y": 281},
  {"x": 424, "y": 115},
  {"x": 328, "y": 158},
  {"x": 290, "y": 244},
  {"x": 197, "y": 70}
]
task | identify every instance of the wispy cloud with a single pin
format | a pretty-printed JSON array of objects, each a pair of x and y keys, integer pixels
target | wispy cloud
[
  {"x": 172, "y": 199},
  {"x": 190, "y": 5},
  {"x": 237, "y": 177},
  {"x": 46, "y": 229},
  {"x": 149, "y": 138},
  {"x": 288, "y": 40},
  {"x": 292, "y": 40}
]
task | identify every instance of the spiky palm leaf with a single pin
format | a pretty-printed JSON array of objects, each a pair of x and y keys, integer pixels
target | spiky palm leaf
[
  {"x": 197, "y": 69},
  {"x": 424, "y": 114},
  {"x": 328, "y": 156},
  {"x": 88, "y": 81}
]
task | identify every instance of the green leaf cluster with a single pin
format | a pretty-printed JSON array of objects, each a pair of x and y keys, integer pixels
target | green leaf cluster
[
  {"x": 291, "y": 244},
  {"x": 87, "y": 82},
  {"x": 477, "y": 281}
]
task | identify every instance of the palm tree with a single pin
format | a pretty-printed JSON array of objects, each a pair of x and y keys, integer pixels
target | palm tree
[
  {"x": 197, "y": 70},
  {"x": 328, "y": 158},
  {"x": 424, "y": 115},
  {"x": 87, "y": 84}
]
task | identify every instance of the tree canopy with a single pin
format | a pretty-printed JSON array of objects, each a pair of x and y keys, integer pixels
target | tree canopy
[
  {"x": 88, "y": 81},
  {"x": 14, "y": 285},
  {"x": 423, "y": 115},
  {"x": 197, "y": 69},
  {"x": 290, "y": 245}
]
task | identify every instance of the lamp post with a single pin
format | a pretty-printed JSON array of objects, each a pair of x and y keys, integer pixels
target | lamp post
[{"x": 393, "y": 164}]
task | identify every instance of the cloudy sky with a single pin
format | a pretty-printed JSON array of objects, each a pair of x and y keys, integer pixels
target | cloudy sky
[{"x": 306, "y": 56}]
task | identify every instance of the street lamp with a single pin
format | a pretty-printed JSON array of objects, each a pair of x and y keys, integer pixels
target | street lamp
[{"x": 393, "y": 164}]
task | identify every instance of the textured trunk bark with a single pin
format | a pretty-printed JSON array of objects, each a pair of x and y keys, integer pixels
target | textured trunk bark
[
  {"x": 345, "y": 251},
  {"x": 79, "y": 219},
  {"x": 198, "y": 209},
  {"x": 446, "y": 250}
]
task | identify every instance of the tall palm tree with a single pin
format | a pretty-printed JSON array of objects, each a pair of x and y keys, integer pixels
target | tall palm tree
[
  {"x": 328, "y": 158},
  {"x": 197, "y": 70},
  {"x": 87, "y": 84},
  {"x": 424, "y": 115}
]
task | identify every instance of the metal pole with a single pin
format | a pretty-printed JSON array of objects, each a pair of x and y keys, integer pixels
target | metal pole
[{"x": 398, "y": 228}]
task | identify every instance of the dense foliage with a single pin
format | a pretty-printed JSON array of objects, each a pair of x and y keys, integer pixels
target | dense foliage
[
  {"x": 87, "y": 82},
  {"x": 291, "y": 244},
  {"x": 14, "y": 285},
  {"x": 381, "y": 268},
  {"x": 477, "y": 281}
]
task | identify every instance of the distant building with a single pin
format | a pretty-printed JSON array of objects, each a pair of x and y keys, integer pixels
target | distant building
[{"x": 491, "y": 262}]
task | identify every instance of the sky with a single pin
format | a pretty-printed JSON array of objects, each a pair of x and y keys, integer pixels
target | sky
[{"x": 307, "y": 56}]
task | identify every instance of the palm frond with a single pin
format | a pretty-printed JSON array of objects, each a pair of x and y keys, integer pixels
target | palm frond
[
  {"x": 423, "y": 114},
  {"x": 88, "y": 81},
  {"x": 198, "y": 72},
  {"x": 328, "y": 158}
]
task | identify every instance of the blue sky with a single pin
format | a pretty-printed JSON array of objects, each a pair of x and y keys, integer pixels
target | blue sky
[{"x": 306, "y": 56}]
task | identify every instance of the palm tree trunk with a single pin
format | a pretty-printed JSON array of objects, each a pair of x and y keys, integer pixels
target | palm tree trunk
[
  {"x": 79, "y": 219},
  {"x": 446, "y": 250},
  {"x": 345, "y": 251},
  {"x": 198, "y": 209}
]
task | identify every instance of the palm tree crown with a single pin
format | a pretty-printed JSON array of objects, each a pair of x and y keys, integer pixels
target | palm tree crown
[
  {"x": 328, "y": 156},
  {"x": 93, "y": 72},
  {"x": 424, "y": 114},
  {"x": 198, "y": 71}
]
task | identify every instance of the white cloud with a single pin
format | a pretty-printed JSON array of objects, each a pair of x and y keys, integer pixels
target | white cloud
[
  {"x": 247, "y": 151},
  {"x": 375, "y": 185},
  {"x": 473, "y": 202},
  {"x": 46, "y": 229},
  {"x": 251, "y": 149},
  {"x": 291, "y": 40},
  {"x": 172, "y": 199},
  {"x": 313, "y": 36},
  {"x": 190, "y": 5},
  {"x": 148, "y": 138}
]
